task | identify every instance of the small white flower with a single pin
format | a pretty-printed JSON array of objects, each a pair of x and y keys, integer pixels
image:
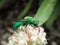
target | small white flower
[
  {"x": 22, "y": 42},
  {"x": 34, "y": 35},
  {"x": 34, "y": 38}
]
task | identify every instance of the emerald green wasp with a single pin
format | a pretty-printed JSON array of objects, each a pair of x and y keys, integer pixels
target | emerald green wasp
[
  {"x": 31, "y": 20},
  {"x": 27, "y": 20}
]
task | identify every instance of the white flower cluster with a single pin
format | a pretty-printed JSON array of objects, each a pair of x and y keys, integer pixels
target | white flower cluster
[{"x": 28, "y": 35}]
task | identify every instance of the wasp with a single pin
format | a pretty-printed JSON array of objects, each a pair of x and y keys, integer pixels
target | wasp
[{"x": 26, "y": 21}]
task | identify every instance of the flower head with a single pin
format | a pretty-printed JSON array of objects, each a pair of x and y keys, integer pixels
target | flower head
[{"x": 30, "y": 35}]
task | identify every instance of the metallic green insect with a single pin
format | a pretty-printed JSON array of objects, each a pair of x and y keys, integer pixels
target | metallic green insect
[
  {"x": 27, "y": 20},
  {"x": 31, "y": 20}
]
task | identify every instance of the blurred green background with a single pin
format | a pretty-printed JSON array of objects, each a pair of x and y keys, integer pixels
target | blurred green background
[{"x": 46, "y": 11}]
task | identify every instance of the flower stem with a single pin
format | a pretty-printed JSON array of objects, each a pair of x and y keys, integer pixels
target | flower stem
[{"x": 25, "y": 11}]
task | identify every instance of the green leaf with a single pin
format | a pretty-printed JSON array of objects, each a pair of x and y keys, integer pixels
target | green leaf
[
  {"x": 45, "y": 11},
  {"x": 53, "y": 16},
  {"x": 40, "y": 2}
]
